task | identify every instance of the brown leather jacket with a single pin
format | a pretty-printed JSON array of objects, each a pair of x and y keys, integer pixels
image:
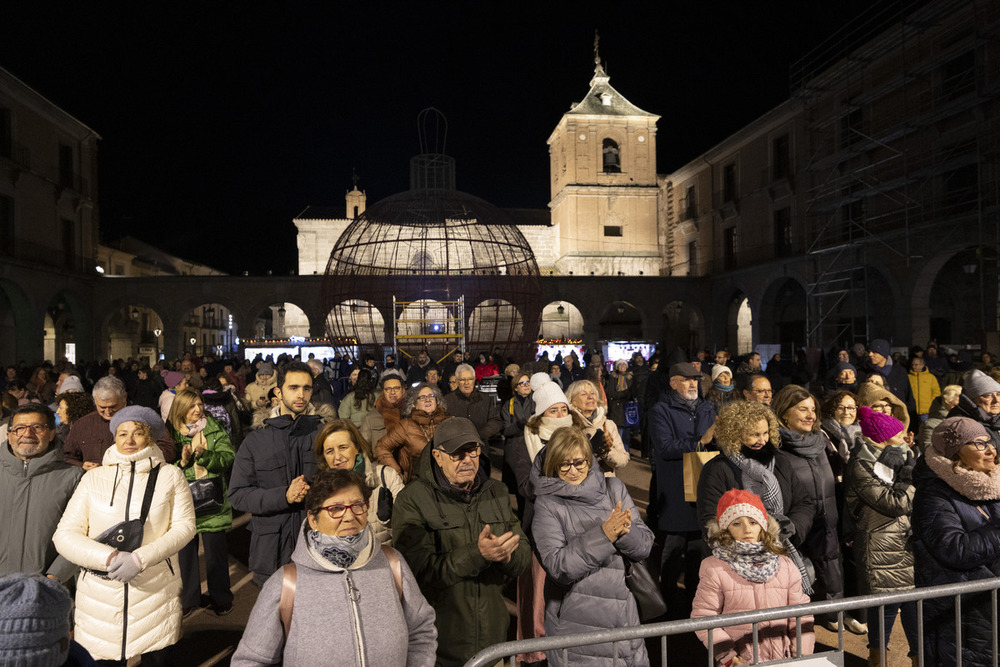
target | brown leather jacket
[{"x": 400, "y": 447}]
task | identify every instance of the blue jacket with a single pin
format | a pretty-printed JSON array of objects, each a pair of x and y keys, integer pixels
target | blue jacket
[
  {"x": 270, "y": 458},
  {"x": 585, "y": 586},
  {"x": 955, "y": 539},
  {"x": 674, "y": 429}
]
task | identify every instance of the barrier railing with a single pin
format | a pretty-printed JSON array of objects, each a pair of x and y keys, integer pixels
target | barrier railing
[{"x": 493, "y": 654}]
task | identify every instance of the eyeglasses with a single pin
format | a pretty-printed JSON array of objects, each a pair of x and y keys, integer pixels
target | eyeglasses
[
  {"x": 845, "y": 408},
  {"x": 338, "y": 511},
  {"x": 23, "y": 429},
  {"x": 524, "y": 384},
  {"x": 993, "y": 395},
  {"x": 579, "y": 464},
  {"x": 461, "y": 454},
  {"x": 392, "y": 390},
  {"x": 428, "y": 398},
  {"x": 980, "y": 445}
]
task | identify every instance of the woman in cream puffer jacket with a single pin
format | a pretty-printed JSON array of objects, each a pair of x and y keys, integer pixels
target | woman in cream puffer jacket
[{"x": 116, "y": 620}]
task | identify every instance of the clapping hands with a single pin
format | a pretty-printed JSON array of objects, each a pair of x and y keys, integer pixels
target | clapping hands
[{"x": 618, "y": 523}]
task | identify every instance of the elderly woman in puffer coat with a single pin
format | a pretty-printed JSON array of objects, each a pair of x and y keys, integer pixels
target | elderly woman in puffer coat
[
  {"x": 584, "y": 526},
  {"x": 135, "y": 609},
  {"x": 956, "y": 529}
]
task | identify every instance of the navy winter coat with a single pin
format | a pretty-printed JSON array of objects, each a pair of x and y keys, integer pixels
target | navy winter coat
[
  {"x": 674, "y": 429},
  {"x": 270, "y": 458},
  {"x": 585, "y": 584},
  {"x": 955, "y": 539}
]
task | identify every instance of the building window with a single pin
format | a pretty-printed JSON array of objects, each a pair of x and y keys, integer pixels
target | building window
[
  {"x": 692, "y": 258},
  {"x": 65, "y": 166},
  {"x": 781, "y": 158},
  {"x": 691, "y": 210},
  {"x": 783, "y": 232},
  {"x": 355, "y": 212},
  {"x": 729, "y": 183},
  {"x": 851, "y": 127},
  {"x": 612, "y": 157},
  {"x": 958, "y": 76},
  {"x": 729, "y": 249},
  {"x": 68, "y": 244},
  {"x": 613, "y": 230},
  {"x": 6, "y": 225},
  {"x": 6, "y": 133}
]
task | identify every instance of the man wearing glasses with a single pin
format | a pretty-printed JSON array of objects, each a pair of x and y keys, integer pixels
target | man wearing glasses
[
  {"x": 473, "y": 404},
  {"x": 35, "y": 487},
  {"x": 385, "y": 416},
  {"x": 455, "y": 527}
]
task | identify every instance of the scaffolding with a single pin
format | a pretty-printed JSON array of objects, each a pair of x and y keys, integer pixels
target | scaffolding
[
  {"x": 419, "y": 324},
  {"x": 902, "y": 152}
]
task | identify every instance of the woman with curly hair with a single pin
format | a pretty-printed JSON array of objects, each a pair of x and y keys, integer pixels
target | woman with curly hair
[
  {"x": 423, "y": 410},
  {"x": 748, "y": 439},
  {"x": 71, "y": 406}
]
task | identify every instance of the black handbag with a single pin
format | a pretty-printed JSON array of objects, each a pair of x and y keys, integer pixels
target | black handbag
[
  {"x": 127, "y": 535},
  {"x": 645, "y": 589},
  {"x": 643, "y": 585},
  {"x": 384, "y": 512},
  {"x": 207, "y": 495}
]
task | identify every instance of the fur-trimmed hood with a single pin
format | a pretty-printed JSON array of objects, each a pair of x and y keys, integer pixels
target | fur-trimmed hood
[
  {"x": 326, "y": 412},
  {"x": 869, "y": 393}
]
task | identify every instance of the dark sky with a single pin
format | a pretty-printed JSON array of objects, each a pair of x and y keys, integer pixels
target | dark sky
[{"x": 220, "y": 121}]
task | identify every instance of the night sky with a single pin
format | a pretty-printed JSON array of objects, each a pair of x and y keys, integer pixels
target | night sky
[{"x": 221, "y": 121}]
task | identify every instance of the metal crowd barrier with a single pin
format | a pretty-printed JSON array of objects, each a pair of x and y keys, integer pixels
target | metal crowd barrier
[{"x": 492, "y": 655}]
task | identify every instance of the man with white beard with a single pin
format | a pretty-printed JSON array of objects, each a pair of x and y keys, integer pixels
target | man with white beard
[{"x": 680, "y": 422}]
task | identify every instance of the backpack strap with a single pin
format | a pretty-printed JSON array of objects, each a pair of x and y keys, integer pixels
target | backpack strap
[
  {"x": 397, "y": 570},
  {"x": 147, "y": 498},
  {"x": 288, "y": 578}
]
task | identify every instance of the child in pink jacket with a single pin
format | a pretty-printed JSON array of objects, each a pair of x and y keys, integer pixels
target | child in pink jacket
[{"x": 749, "y": 570}]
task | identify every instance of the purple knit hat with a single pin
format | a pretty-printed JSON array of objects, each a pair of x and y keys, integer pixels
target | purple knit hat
[{"x": 876, "y": 426}]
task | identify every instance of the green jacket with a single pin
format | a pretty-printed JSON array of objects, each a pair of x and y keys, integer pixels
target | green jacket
[
  {"x": 217, "y": 460},
  {"x": 438, "y": 535}
]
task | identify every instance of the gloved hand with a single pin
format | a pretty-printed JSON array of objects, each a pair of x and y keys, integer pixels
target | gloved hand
[
  {"x": 892, "y": 458},
  {"x": 905, "y": 474},
  {"x": 125, "y": 567}
]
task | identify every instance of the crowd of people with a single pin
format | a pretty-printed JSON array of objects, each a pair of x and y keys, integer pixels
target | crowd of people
[{"x": 372, "y": 482}]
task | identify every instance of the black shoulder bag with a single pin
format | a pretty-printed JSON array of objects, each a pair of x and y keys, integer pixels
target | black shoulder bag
[{"x": 127, "y": 535}]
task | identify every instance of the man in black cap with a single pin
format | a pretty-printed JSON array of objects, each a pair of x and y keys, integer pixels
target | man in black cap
[
  {"x": 680, "y": 422},
  {"x": 459, "y": 535},
  {"x": 896, "y": 377}
]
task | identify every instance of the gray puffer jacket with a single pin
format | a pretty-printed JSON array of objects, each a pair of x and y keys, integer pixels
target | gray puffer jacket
[
  {"x": 585, "y": 574},
  {"x": 883, "y": 542},
  {"x": 373, "y": 626}
]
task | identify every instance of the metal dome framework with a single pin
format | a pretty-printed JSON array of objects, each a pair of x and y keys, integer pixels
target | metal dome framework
[{"x": 434, "y": 269}]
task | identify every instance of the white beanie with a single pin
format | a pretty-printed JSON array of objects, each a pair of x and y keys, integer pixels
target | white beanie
[
  {"x": 546, "y": 393},
  {"x": 719, "y": 369}
]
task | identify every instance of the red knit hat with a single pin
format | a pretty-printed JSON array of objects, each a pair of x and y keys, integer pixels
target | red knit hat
[{"x": 736, "y": 503}]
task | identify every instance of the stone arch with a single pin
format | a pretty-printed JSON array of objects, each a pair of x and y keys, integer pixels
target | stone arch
[
  {"x": 17, "y": 321},
  {"x": 962, "y": 300},
  {"x": 940, "y": 295},
  {"x": 621, "y": 321},
  {"x": 561, "y": 320},
  {"x": 683, "y": 326},
  {"x": 494, "y": 323},
  {"x": 359, "y": 319},
  {"x": 68, "y": 328},
  {"x": 782, "y": 319},
  {"x": 739, "y": 323},
  {"x": 212, "y": 325},
  {"x": 132, "y": 331}
]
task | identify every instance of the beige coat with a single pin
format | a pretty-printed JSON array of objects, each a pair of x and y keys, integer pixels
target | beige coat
[{"x": 147, "y": 610}]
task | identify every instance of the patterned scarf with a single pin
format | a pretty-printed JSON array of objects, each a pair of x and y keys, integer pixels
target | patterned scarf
[
  {"x": 749, "y": 560},
  {"x": 759, "y": 478},
  {"x": 338, "y": 551}
]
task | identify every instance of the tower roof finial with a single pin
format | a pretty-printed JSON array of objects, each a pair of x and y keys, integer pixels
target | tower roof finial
[
  {"x": 598, "y": 70},
  {"x": 354, "y": 177}
]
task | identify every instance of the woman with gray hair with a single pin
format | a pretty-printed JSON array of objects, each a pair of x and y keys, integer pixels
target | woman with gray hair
[
  {"x": 423, "y": 410},
  {"x": 585, "y": 400}
]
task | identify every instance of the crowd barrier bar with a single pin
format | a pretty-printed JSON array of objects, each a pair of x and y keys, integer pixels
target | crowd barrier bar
[{"x": 493, "y": 654}]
